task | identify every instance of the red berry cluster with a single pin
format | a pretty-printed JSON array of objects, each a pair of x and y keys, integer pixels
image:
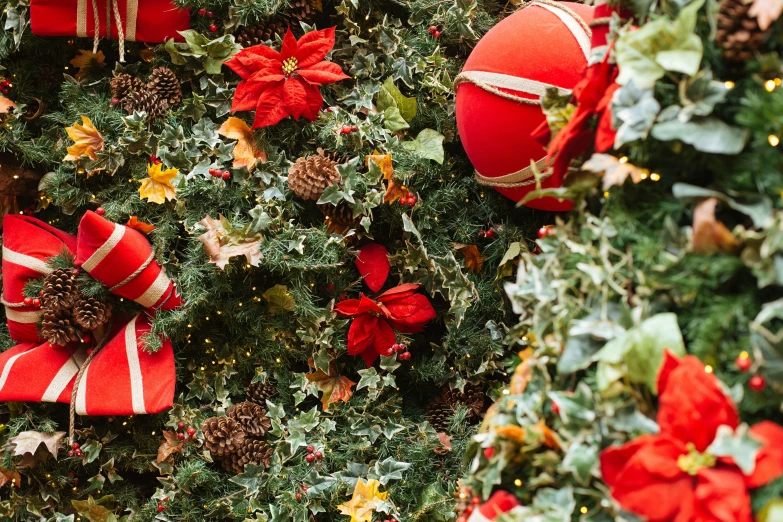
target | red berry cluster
[
  {"x": 298, "y": 494},
  {"x": 218, "y": 173},
  {"x": 75, "y": 450},
  {"x": 155, "y": 160},
  {"x": 402, "y": 352},
  {"x": 161, "y": 506},
  {"x": 433, "y": 30},
  {"x": 744, "y": 363},
  {"x": 391, "y": 519},
  {"x": 409, "y": 200},
  {"x": 546, "y": 231},
  {"x": 313, "y": 455},
  {"x": 347, "y": 129},
  {"x": 181, "y": 435},
  {"x": 490, "y": 233},
  {"x": 467, "y": 502},
  {"x": 29, "y": 301},
  {"x": 208, "y": 14},
  {"x": 5, "y": 86}
]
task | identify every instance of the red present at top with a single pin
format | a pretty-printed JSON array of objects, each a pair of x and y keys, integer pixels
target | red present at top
[{"x": 142, "y": 20}]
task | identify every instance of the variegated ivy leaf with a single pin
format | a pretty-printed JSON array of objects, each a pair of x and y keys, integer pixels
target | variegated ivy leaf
[
  {"x": 633, "y": 113},
  {"x": 738, "y": 445}
]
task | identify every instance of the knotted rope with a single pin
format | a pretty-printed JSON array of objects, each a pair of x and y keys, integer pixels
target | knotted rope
[
  {"x": 112, "y": 10},
  {"x": 82, "y": 370}
]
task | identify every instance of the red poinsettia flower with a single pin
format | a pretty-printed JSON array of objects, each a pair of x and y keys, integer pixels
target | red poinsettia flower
[
  {"x": 286, "y": 83},
  {"x": 374, "y": 321},
  {"x": 672, "y": 476}
]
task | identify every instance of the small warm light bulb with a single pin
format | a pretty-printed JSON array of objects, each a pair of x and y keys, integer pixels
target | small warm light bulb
[
  {"x": 506, "y": 392},
  {"x": 777, "y": 81},
  {"x": 518, "y": 482},
  {"x": 773, "y": 140},
  {"x": 606, "y": 194},
  {"x": 744, "y": 354},
  {"x": 655, "y": 176},
  {"x": 770, "y": 85},
  {"x": 728, "y": 84},
  {"x": 708, "y": 369},
  {"x": 583, "y": 510},
  {"x": 624, "y": 159}
]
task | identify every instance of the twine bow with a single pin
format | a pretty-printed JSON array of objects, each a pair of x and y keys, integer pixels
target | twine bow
[{"x": 112, "y": 8}]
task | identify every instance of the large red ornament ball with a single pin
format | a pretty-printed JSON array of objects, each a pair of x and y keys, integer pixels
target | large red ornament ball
[{"x": 538, "y": 46}]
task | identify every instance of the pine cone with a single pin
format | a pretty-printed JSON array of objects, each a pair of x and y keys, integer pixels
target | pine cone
[
  {"x": 308, "y": 177},
  {"x": 251, "y": 417},
  {"x": 738, "y": 34},
  {"x": 123, "y": 84},
  {"x": 222, "y": 436},
  {"x": 259, "y": 393},
  {"x": 252, "y": 451},
  {"x": 300, "y": 11},
  {"x": 441, "y": 410},
  {"x": 149, "y": 102},
  {"x": 58, "y": 327},
  {"x": 165, "y": 84},
  {"x": 339, "y": 219},
  {"x": 89, "y": 313},
  {"x": 59, "y": 290}
]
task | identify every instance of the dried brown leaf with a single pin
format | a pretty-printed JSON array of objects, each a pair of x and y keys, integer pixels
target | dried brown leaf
[
  {"x": 169, "y": 446},
  {"x": 709, "y": 234},
  {"x": 473, "y": 258},
  {"x": 335, "y": 387}
]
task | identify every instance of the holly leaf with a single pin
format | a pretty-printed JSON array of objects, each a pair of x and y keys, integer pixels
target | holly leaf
[
  {"x": 169, "y": 446},
  {"x": 738, "y": 445},
  {"x": 766, "y": 12},
  {"x": 473, "y": 258},
  {"x": 245, "y": 152},
  {"x": 28, "y": 442},
  {"x": 428, "y": 144},
  {"x": 141, "y": 226},
  {"x": 709, "y": 234},
  {"x": 87, "y": 140},
  {"x": 334, "y": 387}
]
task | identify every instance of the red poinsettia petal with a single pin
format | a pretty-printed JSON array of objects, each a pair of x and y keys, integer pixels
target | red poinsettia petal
[
  {"x": 314, "y": 46},
  {"x": 314, "y": 102},
  {"x": 692, "y": 404},
  {"x": 651, "y": 484},
  {"x": 398, "y": 292},
  {"x": 270, "y": 108},
  {"x": 769, "y": 461},
  {"x": 721, "y": 496},
  {"x": 411, "y": 314},
  {"x": 290, "y": 46},
  {"x": 249, "y": 60},
  {"x": 615, "y": 458},
  {"x": 249, "y": 91},
  {"x": 294, "y": 97},
  {"x": 373, "y": 265},
  {"x": 383, "y": 339},
  {"x": 605, "y": 133},
  {"x": 361, "y": 333},
  {"x": 322, "y": 73},
  {"x": 353, "y": 307},
  {"x": 267, "y": 75}
]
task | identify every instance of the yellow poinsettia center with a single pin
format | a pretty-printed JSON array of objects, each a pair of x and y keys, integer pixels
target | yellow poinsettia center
[
  {"x": 289, "y": 65},
  {"x": 693, "y": 461}
]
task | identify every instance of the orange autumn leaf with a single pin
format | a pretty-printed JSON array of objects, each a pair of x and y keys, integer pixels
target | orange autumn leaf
[
  {"x": 548, "y": 437},
  {"x": 245, "y": 152},
  {"x": 141, "y": 226},
  {"x": 473, "y": 258},
  {"x": 87, "y": 140},
  {"x": 394, "y": 191},
  {"x": 523, "y": 373},
  {"x": 6, "y": 104},
  {"x": 511, "y": 432},
  {"x": 10, "y": 476},
  {"x": 335, "y": 387},
  {"x": 709, "y": 234},
  {"x": 169, "y": 446}
]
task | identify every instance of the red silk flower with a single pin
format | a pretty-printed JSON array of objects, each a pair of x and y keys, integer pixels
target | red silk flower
[
  {"x": 279, "y": 84},
  {"x": 671, "y": 476},
  {"x": 400, "y": 308}
]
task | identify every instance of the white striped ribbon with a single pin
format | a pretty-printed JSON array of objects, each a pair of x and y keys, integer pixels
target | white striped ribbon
[
  {"x": 103, "y": 251},
  {"x": 64, "y": 375},
  {"x": 136, "y": 380},
  {"x": 33, "y": 263},
  {"x": 7, "y": 368}
]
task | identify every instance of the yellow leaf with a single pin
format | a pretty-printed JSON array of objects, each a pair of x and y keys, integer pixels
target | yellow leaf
[
  {"x": 87, "y": 60},
  {"x": 473, "y": 258},
  {"x": 335, "y": 387},
  {"x": 87, "y": 140},
  {"x": 511, "y": 432},
  {"x": 523, "y": 373},
  {"x": 141, "y": 226},
  {"x": 366, "y": 498},
  {"x": 158, "y": 188},
  {"x": 709, "y": 234},
  {"x": 245, "y": 152},
  {"x": 394, "y": 190}
]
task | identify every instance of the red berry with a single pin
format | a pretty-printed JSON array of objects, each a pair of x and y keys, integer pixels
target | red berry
[
  {"x": 86, "y": 338},
  {"x": 482, "y": 233},
  {"x": 345, "y": 129},
  {"x": 436, "y": 34},
  {"x": 213, "y": 28},
  {"x": 399, "y": 348},
  {"x": 469, "y": 510},
  {"x": 202, "y": 11},
  {"x": 77, "y": 452},
  {"x": 310, "y": 448},
  {"x": 75, "y": 481},
  {"x": 298, "y": 496},
  {"x": 491, "y": 234},
  {"x": 165, "y": 499},
  {"x": 555, "y": 408},
  {"x": 180, "y": 425},
  {"x": 75, "y": 445},
  {"x": 89, "y": 352},
  {"x": 432, "y": 29},
  {"x": 100, "y": 211},
  {"x": 226, "y": 175},
  {"x": 757, "y": 383},
  {"x": 304, "y": 488},
  {"x": 403, "y": 200},
  {"x": 545, "y": 231},
  {"x": 330, "y": 287},
  {"x": 115, "y": 102},
  {"x": 318, "y": 455},
  {"x": 210, "y": 14},
  {"x": 180, "y": 436},
  {"x": 37, "y": 302},
  {"x": 71, "y": 453},
  {"x": 28, "y": 301},
  {"x": 489, "y": 452},
  {"x": 743, "y": 363},
  {"x": 476, "y": 500},
  {"x": 404, "y": 356},
  {"x": 161, "y": 508},
  {"x": 71, "y": 474},
  {"x": 310, "y": 459},
  {"x": 354, "y": 128},
  {"x": 191, "y": 431}
]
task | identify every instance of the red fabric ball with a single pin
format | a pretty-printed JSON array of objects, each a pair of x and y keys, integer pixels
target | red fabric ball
[{"x": 532, "y": 44}]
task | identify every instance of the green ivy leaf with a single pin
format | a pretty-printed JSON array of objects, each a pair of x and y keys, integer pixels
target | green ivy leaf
[
  {"x": 370, "y": 379},
  {"x": 390, "y": 96},
  {"x": 428, "y": 144},
  {"x": 580, "y": 460},
  {"x": 705, "y": 134},
  {"x": 737, "y": 444},
  {"x": 393, "y": 120},
  {"x": 389, "y": 469}
]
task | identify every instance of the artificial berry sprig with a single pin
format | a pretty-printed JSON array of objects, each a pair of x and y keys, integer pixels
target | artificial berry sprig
[
  {"x": 75, "y": 450},
  {"x": 409, "y": 200},
  {"x": 348, "y": 129},
  {"x": 218, "y": 173},
  {"x": 433, "y": 30},
  {"x": 546, "y": 231}
]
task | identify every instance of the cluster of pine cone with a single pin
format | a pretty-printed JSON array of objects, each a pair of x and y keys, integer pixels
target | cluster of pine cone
[
  {"x": 441, "y": 410},
  {"x": 155, "y": 97},
  {"x": 739, "y": 33},
  {"x": 68, "y": 314},
  {"x": 236, "y": 439},
  {"x": 299, "y": 11}
]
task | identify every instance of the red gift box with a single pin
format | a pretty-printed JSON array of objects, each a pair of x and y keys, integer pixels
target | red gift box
[{"x": 142, "y": 20}]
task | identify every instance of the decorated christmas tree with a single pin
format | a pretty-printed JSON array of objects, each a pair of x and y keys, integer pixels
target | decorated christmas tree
[{"x": 391, "y": 261}]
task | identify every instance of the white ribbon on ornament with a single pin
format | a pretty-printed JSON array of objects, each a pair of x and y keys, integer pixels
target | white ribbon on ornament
[
  {"x": 112, "y": 8},
  {"x": 499, "y": 85}
]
